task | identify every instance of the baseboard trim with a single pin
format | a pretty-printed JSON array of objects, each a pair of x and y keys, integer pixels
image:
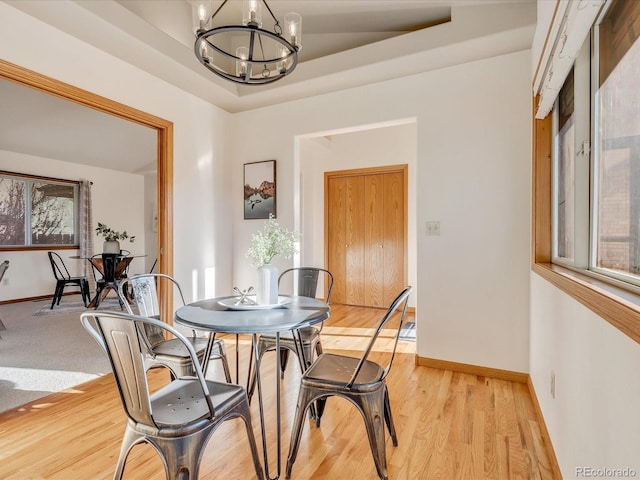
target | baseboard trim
[
  {"x": 31, "y": 299},
  {"x": 508, "y": 375},
  {"x": 473, "y": 369},
  {"x": 546, "y": 438}
]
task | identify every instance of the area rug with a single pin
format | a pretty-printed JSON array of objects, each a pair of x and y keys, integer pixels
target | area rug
[
  {"x": 408, "y": 332},
  {"x": 76, "y": 307}
]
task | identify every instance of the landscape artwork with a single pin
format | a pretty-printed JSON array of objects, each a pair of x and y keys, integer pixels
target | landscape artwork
[{"x": 259, "y": 190}]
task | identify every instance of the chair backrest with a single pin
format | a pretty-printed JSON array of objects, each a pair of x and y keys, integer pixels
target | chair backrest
[
  {"x": 59, "y": 268},
  {"x": 399, "y": 303},
  {"x": 305, "y": 281},
  {"x": 109, "y": 264},
  {"x": 145, "y": 292},
  {"x": 3, "y": 268},
  {"x": 119, "y": 335},
  {"x": 145, "y": 295}
]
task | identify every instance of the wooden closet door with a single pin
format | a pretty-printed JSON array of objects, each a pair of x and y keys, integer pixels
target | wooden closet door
[
  {"x": 394, "y": 236},
  {"x": 366, "y": 230}
]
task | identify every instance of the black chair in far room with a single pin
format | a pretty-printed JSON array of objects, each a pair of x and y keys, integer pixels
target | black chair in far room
[{"x": 64, "y": 278}]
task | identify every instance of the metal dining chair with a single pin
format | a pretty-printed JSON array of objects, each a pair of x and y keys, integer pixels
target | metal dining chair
[
  {"x": 358, "y": 380},
  {"x": 179, "y": 418},
  {"x": 161, "y": 351},
  {"x": 305, "y": 283},
  {"x": 64, "y": 278}
]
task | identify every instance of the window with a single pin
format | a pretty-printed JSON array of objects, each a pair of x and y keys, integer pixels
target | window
[
  {"x": 37, "y": 211},
  {"x": 564, "y": 155},
  {"x": 616, "y": 195},
  {"x": 596, "y": 192}
]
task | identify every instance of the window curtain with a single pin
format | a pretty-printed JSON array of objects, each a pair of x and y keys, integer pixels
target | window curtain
[{"x": 86, "y": 230}]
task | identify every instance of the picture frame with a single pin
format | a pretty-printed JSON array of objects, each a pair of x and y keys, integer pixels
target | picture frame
[{"x": 259, "y": 190}]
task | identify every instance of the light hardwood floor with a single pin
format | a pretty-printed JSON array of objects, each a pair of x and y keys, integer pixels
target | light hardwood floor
[{"x": 450, "y": 426}]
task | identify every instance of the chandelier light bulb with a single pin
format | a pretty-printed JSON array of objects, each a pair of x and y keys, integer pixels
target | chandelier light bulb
[
  {"x": 293, "y": 23},
  {"x": 241, "y": 67},
  {"x": 252, "y": 13},
  {"x": 202, "y": 13}
]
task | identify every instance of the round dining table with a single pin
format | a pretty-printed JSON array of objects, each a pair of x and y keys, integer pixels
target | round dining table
[{"x": 223, "y": 315}]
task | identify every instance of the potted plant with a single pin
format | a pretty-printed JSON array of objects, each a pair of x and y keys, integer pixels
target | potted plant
[
  {"x": 272, "y": 241},
  {"x": 112, "y": 238}
]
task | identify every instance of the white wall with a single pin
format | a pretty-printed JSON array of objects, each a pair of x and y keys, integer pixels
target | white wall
[
  {"x": 30, "y": 273},
  {"x": 594, "y": 420},
  {"x": 472, "y": 174},
  {"x": 376, "y": 146},
  {"x": 201, "y": 190}
]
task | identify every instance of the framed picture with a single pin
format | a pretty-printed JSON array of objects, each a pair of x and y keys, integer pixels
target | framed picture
[{"x": 259, "y": 190}]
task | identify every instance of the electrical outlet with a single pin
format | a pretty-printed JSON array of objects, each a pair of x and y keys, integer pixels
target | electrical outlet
[
  {"x": 553, "y": 384},
  {"x": 5, "y": 281}
]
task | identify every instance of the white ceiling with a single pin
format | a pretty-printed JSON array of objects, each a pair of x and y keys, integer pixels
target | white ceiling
[{"x": 345, "y": 43}]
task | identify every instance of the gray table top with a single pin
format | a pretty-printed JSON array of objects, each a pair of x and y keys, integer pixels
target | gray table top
[{"x": 212, "y": 316}]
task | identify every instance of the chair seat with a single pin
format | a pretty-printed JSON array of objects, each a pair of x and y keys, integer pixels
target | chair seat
[
  {"x": 178, "y": 407},
  {"x": 307, "y": 334},
  {"x": 331, "y": 371},
  {"x": 76, "y": 279}
]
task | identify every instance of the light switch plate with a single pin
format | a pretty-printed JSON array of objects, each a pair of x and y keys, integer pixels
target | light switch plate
[{"x": 433, "y": 228}]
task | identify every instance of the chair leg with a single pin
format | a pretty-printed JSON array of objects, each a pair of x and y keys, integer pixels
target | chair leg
[
  {"x": 305, "y": 397},
  {"x": 389, "y": 418},
  {"x": 284, "y": 356},
  {"x": 101, "y": 292},
  {"x": 57, "y": 294},
  {"x": 251, "y": 386},
  {"x": 130, "y": 439},
  {"x": 225, "y": 367},
  {"x": 245, "y": 413},
  {"x": 372, "y": 408},
  {"x": 320, "y": 404},
  {"x": 84, "y": 291}
]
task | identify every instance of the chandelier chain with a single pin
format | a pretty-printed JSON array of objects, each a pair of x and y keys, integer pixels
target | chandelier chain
[{"x": 219, "y": 8}]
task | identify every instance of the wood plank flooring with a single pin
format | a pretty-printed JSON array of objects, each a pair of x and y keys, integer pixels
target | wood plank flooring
[{"x": 450, "y": 426}]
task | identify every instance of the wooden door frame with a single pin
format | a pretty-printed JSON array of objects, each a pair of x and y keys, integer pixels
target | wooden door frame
[
  {"x": 164, "y": 129},
  {"x": 403, "y": 169}
]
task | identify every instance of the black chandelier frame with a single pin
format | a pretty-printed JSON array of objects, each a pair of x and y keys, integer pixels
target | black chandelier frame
[{"x": 205, "y": 37}]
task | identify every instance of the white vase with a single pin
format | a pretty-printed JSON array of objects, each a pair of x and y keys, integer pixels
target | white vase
[
  {"x": 111, "y": 247},
  {"x": 267, "y": 291}
]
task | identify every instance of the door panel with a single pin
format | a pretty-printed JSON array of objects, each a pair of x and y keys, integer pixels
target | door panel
[
  {"x": 394, "y": 236},
  {"x": 337, "y": 252},
  {"x": 374, "y": 240},
  {"x": 354, "y": 227}
]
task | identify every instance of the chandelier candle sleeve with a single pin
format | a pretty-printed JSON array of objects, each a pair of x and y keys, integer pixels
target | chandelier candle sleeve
[
  {"x": 293, "y": 22},
  {"x": 252, "y": 12}
]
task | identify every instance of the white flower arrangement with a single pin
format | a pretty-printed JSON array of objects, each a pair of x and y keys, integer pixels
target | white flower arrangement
[{"x": 273, "y": 240}]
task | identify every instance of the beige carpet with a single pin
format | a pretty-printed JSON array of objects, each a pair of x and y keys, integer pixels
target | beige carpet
[
  {"x": 67, "y": 307},
  {"x": 40, "y": 355}
]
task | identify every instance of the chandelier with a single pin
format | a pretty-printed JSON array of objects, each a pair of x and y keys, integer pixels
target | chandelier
[{"x": 248, "y": 53}]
